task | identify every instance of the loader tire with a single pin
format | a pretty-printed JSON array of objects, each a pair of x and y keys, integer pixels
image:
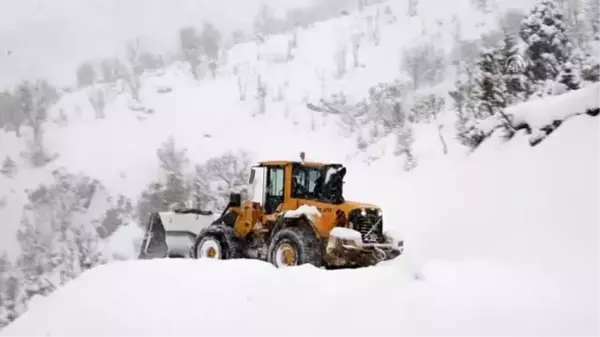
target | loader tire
[
  {"x": 294, "y": 246},
  {"x": 217, "y": 242}
]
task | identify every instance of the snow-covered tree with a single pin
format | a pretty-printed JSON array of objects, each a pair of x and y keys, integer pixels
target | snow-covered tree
[
  {"x": 210, "y": 40},
  {"x": 510, "y": 21},
  {"x": 548, "y": 47},
  {"x": 412, "y": 8},
  {"x": 260, "y": 96},
  {"x": 173, "y": 161},
  {"x": 427, "y": 108},
  {"x": 340, "y": 58},
  {"x": 356, "y": 39},
  {"x": 57, "y": 244},
  {"x": 35, "y": 99},
  {"x": 152, "y": 199},
  {"x": 97, "y": 101},
  {"x": 385, "y": 106},
  {"x": 490, "y": 87},
  {"x": 590, "y": 68},
  {"x": 592, "y": 8},
  {"x": 569, "y": 77},
  {"x": 86, "y": 74},
  {"x": 512, "y": 69},
  {"x": 116, "y": 216},
  {"x": 484, "y": 6},
  {"x": 9, "y": 167},
  {"x": 11, "y": 117},
  {"x": 219, "y": 176},
  {"x": 190, "y": 45},
  {"x": 11, "y": 296},
  {"x": 265, "y": 22},
  {"x": 112, "y": 69},
  {"x": 149, "y": 61},
  {"x": 210, "y": 43},
  {"x": 4, "y": 271},
  {"x": 465, "y": 107},
  {"x": 577, "y": 29},
  {"x": 424, "y": 63},
  {"x": 133, "y": 51}
]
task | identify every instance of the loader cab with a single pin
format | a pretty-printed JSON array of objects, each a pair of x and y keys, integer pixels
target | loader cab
[
  {"x": 322, "y": 183},
  {"x": 272, "y": 182}
]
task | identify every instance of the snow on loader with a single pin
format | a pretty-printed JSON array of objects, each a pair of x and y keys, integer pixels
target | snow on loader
[{"x": 296, "y": 215}]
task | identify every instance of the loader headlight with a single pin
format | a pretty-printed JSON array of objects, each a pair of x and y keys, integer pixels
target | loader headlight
[
  {"x": 363, "y": 212},
  {"x": 379, "y": 212}
]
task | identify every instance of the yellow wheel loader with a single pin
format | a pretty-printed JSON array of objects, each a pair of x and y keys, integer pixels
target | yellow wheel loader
[{"x": 296, "y": 214}]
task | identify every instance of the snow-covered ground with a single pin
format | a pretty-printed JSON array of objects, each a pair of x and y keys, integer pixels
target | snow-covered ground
[{"x": 504, "y": 243}]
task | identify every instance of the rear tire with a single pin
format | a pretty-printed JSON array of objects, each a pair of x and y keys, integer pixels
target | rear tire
[
  {"x": 217, "y": 242},
  {"x": 294, "y": 246}
]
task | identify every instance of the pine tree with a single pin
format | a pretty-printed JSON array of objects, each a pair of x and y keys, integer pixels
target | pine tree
[
  {"x": 11, "y": 300},
  {"x": 592, "y": 8},
  {"x": 172, "y": 162},
  {"x": 465, "y": 106},
  {"x": 512, "y": 67},
  {"x": 547, "y": 50},
  {"x": 490, "y": 87},
  {"x": 412, "y": 8},
  {"x": 8, "y": 167},
  {"x": 35, "y": 99},
  {"x": 590, "y": 68},
  {"x": 4, "y": 270},
  {"x": 189, "y": 43},
  {"x": 569, "y": 76}
]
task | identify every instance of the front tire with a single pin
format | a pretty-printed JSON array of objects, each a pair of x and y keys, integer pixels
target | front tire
[
  {"x": 217, "y": 242},
  {"x": 294, "y": 246}
]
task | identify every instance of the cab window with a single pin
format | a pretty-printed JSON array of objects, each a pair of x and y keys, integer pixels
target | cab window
[
  {"x": 275, "y": 183},
  {"x": 306, "y": 182}
]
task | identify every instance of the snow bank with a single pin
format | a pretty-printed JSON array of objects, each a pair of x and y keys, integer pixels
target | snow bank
[
  {"x": 188, "y": 297},
  {"x": 531, "y": 207},
  {"x": 543, "y": 112}
]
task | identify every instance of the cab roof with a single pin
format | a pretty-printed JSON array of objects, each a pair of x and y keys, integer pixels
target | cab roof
[{"x": 285, "y": 162}]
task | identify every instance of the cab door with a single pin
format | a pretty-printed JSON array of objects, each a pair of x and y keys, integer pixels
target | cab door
[{"x": 275, "y": 184}]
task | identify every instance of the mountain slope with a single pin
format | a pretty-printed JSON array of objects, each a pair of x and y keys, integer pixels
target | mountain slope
[
  {"x": 505, "y": 242},
  {"x": 207, "y": 117}
]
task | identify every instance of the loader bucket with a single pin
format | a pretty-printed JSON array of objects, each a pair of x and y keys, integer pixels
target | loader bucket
[{"x": 154, "y": 244}]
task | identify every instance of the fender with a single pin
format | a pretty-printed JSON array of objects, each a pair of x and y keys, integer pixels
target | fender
[{"x": 283, "y": 222}]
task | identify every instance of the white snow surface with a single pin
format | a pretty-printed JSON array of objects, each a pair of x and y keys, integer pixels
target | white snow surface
[
  {"x": 503, "y": 243},
  {"x": 310, "y": 211},
  {"x": 542, "y": 112},
  {"x": 345, "y": 233}
]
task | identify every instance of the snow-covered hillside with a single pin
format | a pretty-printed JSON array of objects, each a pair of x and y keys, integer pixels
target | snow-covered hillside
[
  {"x": 207, "y": 117},
  {"x": 500, "y": 230},
  {"x": 505, "y": 243}
]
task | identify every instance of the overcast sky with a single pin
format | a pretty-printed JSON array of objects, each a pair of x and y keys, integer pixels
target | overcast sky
[{"x": 46, "y": 39}]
